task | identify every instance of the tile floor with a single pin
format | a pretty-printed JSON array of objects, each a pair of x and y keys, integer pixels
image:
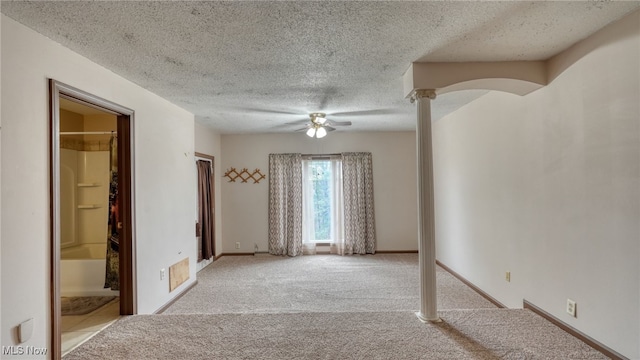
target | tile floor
[{"x": 77, "y": 329}]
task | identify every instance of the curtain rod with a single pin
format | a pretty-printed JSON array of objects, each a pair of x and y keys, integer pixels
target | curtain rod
[
  {"x": 307, "y": 155},
  {"x": 321, "y": 156},
  {"x": 88, "y": 133}
]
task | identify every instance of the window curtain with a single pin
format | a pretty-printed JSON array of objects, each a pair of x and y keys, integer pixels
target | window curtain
[
  {"x": 359, "y": 217},
  {"x": 336, "y": 235},
  {"x": 205, "y": 210},
  {"x": 308, "y": 210},
  {"x": 285, "y": 204}
]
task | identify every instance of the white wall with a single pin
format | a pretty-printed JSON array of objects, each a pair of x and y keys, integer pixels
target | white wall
[
  {"x": 547, "y": 186},
  {"x": 245, "y": 206},
  {"x": 163, "y": 188},
  {"x": 207, "y": 141},
  {"x": 1, "y": 132}
]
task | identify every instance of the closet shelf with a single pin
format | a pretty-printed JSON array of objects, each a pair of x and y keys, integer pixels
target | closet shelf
[
  {"x": 89, "y": 206},
  {"x": 88, "y": 184}
]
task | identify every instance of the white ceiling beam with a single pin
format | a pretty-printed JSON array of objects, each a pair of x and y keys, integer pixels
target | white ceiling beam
[{"x": 517, "y": 77}]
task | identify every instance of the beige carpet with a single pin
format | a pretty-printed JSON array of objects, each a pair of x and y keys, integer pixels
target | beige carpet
[
  {"x": 320, "y": 283},
  {"x": 236, "y": 312}
]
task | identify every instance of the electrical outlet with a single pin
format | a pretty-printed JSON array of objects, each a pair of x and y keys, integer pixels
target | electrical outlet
[
  {"x": 507, "y": 276},
  {"x": 237, "y": 245},
  {"x": 25, "y": 330},
  {"x": 571, "y": 308},
  {"x": 161, "y": 274}
]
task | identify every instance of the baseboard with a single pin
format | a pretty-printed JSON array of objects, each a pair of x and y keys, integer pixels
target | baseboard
[
  {"x": 575, "y": 332},
  {"x": 471, "y": 285},
  {"x": 396, "y": 251},
  {"x": 181, "y": 294},
  {"x": 264, "y": 252}
]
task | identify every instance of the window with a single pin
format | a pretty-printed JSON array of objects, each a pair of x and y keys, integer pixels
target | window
[{"x": 322, "y": 200}]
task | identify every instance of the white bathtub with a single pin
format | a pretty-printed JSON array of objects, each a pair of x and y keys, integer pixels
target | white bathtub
[{"x": 82, "y": 270}]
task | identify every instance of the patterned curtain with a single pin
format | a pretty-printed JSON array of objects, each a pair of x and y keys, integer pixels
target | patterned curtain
[
  {"x": 285, "y": 204},
  {"x": 359, "y": 219}
]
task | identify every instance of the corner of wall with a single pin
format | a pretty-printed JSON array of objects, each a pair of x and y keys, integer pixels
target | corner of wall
[
  {"x": 545, "y": 186},
  {"x": 625, "y": 27}
]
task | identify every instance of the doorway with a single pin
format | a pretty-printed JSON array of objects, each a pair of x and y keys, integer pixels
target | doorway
[
  {"x": 91, "y": 210},
  {"x": 205, "y": 210}
]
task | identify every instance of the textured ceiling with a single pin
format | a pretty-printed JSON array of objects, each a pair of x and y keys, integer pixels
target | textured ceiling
[{"x": 255, "y": 66}]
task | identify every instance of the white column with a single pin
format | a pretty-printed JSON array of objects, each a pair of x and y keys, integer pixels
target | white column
[{"x": 426, "y": 217}]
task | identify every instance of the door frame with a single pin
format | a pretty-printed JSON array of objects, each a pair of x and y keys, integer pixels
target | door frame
[
  {"x": 210, "y": 158},
  {"x": 127, "y": 263}
]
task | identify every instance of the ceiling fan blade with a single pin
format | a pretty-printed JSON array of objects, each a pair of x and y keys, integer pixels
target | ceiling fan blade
[
  {"x": 329, "y": 128},
  {"x": 287, "y": 126},
  {"x": 297, "y": 122},
  {"x": 366, "y": 112},
  {"x": 301, "y": 129},
  {"x": 338, "y": 123}
]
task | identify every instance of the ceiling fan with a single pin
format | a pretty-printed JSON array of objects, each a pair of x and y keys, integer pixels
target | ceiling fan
[
  {"x": 319, "y": 125},
  {"x": 318, "y": 120}
]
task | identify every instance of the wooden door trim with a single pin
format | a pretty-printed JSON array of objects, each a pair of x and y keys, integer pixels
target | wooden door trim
[
  {"x": 125, "y": 115},
  {"x": 125, "y": 186},
  {"x": 54, "y": 223}
]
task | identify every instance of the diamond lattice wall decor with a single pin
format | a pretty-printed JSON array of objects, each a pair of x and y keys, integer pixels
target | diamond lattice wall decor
[{"x": 244, "y": 175}]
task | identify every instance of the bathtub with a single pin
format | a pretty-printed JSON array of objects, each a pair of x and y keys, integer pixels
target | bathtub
[{"x": 82, "y": 270}]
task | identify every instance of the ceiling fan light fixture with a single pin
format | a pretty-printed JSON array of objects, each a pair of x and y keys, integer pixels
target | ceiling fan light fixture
[
  {"x": 318, "y": 118},
  {"x": 321, "y": 132},
  {"x": 319, "y": 125}
]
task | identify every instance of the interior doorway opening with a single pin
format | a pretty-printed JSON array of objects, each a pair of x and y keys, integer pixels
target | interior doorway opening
[
  {"x": 92, "y": 262},
  {"x": 205, "y": 209}
]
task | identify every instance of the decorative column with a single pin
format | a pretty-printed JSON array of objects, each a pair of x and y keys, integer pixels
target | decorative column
[{"x": 426, "y": 217}]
